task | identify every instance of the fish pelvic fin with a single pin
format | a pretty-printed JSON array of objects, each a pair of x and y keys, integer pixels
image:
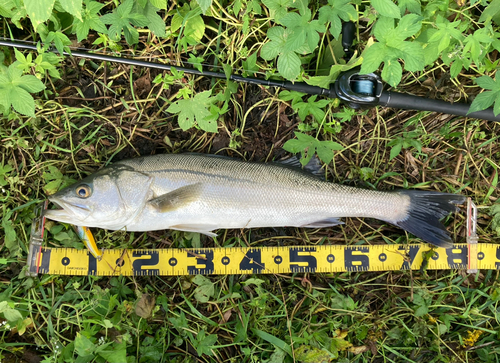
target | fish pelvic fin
[
  {"x": 327, "y": 222},
  {"x": 425, "y": 212},
  {"x": 198, "y": 228},
  {"x": 177, "y": 198}
]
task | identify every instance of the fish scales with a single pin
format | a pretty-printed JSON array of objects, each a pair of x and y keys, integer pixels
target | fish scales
[
  {"x": 257, "y": 194},
  {"x": 203, "y": 193}
]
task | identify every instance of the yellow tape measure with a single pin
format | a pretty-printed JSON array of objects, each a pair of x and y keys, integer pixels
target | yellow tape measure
[{"x": 264, "y": 260}]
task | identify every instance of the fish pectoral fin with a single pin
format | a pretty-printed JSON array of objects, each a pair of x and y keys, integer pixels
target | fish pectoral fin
[
  {"x": 198, "y": 228},
  {"x": 327, "y": 222},
  {"x": 177, "y": 198}
]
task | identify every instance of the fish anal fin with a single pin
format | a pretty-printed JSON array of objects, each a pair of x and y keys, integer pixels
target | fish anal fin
[
  {"x": 177, "y": 198},
  {"x": 327, "y": 222},
  {"x": 198, "y": 228}
]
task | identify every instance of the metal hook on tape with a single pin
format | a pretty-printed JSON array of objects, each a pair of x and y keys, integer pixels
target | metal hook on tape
[
  {"x": 36, "y": 239},
  {"x": 472, "y": 239}
]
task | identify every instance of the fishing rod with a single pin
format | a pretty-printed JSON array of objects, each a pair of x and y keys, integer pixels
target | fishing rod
[{"x": 352, "y": 88}]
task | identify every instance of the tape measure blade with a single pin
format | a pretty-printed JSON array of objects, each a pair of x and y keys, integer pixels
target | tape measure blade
[{"x": 263, "y": 260}]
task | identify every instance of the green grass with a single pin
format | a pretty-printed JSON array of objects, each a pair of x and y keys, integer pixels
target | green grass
[{"x": 100, "y": 113}]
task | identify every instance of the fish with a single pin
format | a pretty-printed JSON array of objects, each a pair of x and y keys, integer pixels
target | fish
[{"x": 203, "y": 193}]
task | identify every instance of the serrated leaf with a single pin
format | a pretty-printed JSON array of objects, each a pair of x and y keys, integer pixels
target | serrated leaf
[
  {"x": 156, "y": 23},
  {"x": 160, "y": 4},
  {"x": 386, "y": 8},
  {"x": 74, "y": 7},
  {"x": 487, "y": 82},
  {"x": 373, "y": 57},
  {"x": 289, "y": 65},
  {"x": 195, "y": 111},
  {"x": 38, "y": 10},
  {"x": 204, "y": 5},
  {"x": 83, "y": 345},
  {"x": 117, "y": 353},
  {"x": 455, "y": 68},
  {"x": 483, "y": 101}
]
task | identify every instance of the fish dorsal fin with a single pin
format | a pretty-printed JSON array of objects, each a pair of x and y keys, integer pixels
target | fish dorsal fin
[
  {"x": 313, "y": 166},
  {"x": 177, "y": 198}
]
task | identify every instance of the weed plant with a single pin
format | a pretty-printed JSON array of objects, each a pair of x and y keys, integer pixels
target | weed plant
[{"x": 64, "y": 118}]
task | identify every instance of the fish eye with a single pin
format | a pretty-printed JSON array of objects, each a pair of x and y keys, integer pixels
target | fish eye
[{"x": 83, "y": 191}]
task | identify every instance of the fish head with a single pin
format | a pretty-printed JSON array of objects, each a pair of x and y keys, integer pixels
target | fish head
[{"x": 107, "y": 199}]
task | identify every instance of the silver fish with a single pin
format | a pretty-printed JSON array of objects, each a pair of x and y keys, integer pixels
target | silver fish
[{"x": 202, "y": 193}]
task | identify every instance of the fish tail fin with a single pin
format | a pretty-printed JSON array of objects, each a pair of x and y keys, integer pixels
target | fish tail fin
[{"x": 424, "y": 214}]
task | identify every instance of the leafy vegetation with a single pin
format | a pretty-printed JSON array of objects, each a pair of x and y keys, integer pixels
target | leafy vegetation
[{"x": 63, "y": 118}]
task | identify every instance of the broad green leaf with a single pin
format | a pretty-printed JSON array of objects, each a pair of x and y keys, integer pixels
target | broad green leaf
[
  {"x": 121, "y": 19},
  {"x": 29, "y": 83},
  {"x": 156, "y": 23},
  {"x": 83, "y": 345},
  {"x": 335, "y": 70},
  {"x": 23, "y": 102},
  {"x": 39, "y": 10},
  {"x": 395, "y": 150},
  {"x": 483, "y": 101},
  {"x": 278, "y": 8},
  {"x": 455, "y": 68},
  {"x": 392, "y": 72},
  {"x": 413, "y": 6},
  {"x": 205, "y": 343},
  {"x": 12, "y": 315},
  {"x": 325, "y": 150},
  {"x": 10, "y": 236},
  {"x": 492, "y": 10},
  {"x": 373, "y": 57},
  {"x": 310, "y": 354},
  {"x": 336, "y": 11},
  {"x": 117, "y": 353},
  {"x": 487, "y": 82},
  {"x": 74, "y": 7},
  {"x": 160, "y": 4},
  {"x": 195, "y": 111},
  {"x": 289, "y": 65},
  {"x": 204, "y": 5},
  {"x": 90, "y": 20},
  {"x": 6, "y": 8},
  {"x": 13, "y": 90},
  {"x": 386, "y": 8},
  {"x": 408, "y": 25}
]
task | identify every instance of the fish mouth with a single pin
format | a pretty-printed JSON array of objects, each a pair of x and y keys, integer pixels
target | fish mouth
[{"x": 67, "y": 212}]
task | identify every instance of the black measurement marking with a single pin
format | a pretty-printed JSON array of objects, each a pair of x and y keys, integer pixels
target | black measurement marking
[
  {"x": 330, "y": 258},
  {"x": 457, "y": 257},
  {"x": 435, "y": 256},
  {"x": 412, "y": 251},
  {"x": 252, "y": 261},
  {"x": 480, "y": 256},
  {"x": 92, "y": 264},
  {"x": 278, "y": 259},
  {"x": 355, "y": 260},
  {"x": 120, "y": 262},
  {"x": 172, "y": 261},
  {"x": 301, "y": 254},
  {"x": 139, "y": 264},
  {"x": 65, "y": 261},
  {"x": 225, "y": 260},
  {"x": 382, "y": 257},
  {"x": 203, "y": 257}
]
